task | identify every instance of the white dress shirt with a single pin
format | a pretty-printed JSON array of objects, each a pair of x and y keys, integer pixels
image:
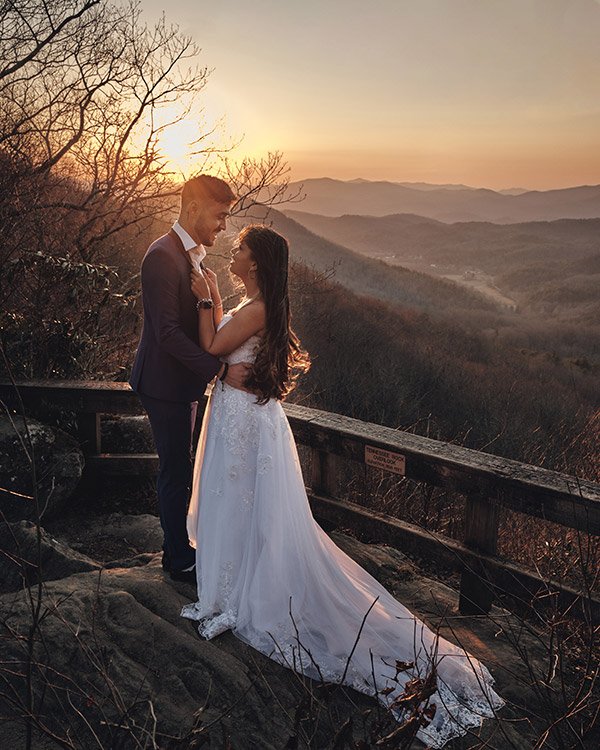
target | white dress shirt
[{"x": 197, "y": 252}]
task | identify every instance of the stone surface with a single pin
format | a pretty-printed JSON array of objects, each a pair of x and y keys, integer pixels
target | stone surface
[
  {"x": 114, "y": 646},
  {"x": 20, "y": 558},
  {"x": 108, "y": 537},
  {"x": 118, "y": 632},
  {"x": 59, "y": 464}
]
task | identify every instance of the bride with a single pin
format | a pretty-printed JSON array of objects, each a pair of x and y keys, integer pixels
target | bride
[{"x": 265, "y": 569}]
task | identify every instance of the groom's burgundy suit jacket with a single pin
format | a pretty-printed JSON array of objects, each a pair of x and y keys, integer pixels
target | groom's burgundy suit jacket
[{"x": 169, "y": 363}]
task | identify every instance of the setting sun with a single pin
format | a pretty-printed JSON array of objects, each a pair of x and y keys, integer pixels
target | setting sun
[
  {"x": 181, "y": 143},
  {"x": 492, "y": 94}
]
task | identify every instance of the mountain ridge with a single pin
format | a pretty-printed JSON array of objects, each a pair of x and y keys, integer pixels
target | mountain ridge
[
  {"x": 448, "y": 204},
  {"x": 370, "y": 276},
  {"x": 547, "y": 268}
]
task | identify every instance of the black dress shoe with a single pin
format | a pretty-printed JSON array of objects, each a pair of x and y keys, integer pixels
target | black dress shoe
[{"x": 186, "y": 576}]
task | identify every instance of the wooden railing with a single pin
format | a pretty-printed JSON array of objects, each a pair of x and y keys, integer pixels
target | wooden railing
[{"x": 487, "y": 482}]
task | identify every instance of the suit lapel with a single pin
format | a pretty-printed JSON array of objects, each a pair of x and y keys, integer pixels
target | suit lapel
[
  {"x": 179, "y": 245},
  {"x": 173, "y": 234}
]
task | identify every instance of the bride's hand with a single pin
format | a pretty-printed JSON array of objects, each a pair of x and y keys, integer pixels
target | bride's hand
[
  {"x": 213, "y": 283},
  {"x": 200, "y": 286}
]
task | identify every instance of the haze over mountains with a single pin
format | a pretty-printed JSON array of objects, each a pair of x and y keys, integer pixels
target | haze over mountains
[
  {"x": 490, "y": 246},
  {"x": 367, "y": 276},
  {"x": 446, "y": 203},
  {"x": 545, "y": 267}
]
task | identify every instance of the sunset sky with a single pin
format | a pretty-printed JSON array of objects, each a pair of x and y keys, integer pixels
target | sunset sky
[{"x": 493, "y": 93}]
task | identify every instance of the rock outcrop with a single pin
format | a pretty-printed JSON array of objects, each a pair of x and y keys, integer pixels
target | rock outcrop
[
  {"x": 59, "y": 464},
  {"x": 112, "y": 658},
  {"x": 22, "y": 558}
]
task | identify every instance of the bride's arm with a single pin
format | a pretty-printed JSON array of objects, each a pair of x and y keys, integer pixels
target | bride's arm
[
  {"x": 246, "y": 322},
  {"x": 215, "y": 294}
]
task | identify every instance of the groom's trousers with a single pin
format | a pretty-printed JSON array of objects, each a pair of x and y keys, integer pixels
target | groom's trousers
[{"x": 172, "y": 426}]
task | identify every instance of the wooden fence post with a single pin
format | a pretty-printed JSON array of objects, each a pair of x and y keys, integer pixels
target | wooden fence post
[
  {"x": 88, "y": 428},
  {"x": 481, "y": 535},
  {"x": 322, "y": 476}
]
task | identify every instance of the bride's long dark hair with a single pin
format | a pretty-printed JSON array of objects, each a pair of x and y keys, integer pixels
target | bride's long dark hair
[{"x": 280, "y": 357}]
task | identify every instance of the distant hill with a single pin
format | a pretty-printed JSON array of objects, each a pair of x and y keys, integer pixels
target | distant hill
[
  {"x": 547, "y": 267},
  {"x": 488, "y": 245},
  {"x": 448, "y": 203},
  {"x": 372, "y": 277},
  {"x": 427, "y": 186}
]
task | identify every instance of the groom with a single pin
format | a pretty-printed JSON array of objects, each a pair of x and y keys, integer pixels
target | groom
[{"x": 170, "y": 371}]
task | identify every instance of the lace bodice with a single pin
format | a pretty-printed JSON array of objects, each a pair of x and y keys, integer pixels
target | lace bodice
[{"x": 246, "y": 352}]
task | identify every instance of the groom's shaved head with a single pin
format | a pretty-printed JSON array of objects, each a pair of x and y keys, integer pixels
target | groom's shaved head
[{"x": 205, "y": 187}]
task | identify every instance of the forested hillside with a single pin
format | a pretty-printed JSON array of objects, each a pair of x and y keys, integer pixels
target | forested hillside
[
  {"x": 402, "y": 349},
  {"x": 370, "y": 276},
  {"x": 492, "y": 246},
  {"x": 403, "y": 368},
  {"x": 549, "y": 270}
]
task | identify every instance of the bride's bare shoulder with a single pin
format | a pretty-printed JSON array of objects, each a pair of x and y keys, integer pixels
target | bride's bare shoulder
[{"x": 256, "y": 307}]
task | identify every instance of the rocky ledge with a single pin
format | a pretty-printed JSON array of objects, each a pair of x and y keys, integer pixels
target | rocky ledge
[{"x": 113, "y": 664}]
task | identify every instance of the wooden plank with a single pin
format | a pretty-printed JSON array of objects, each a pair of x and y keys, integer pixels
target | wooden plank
[
  {"x": 89, "y": 433},
  {"x": 481, "y": 535},
  {"x": 504, "y": 576},
  {"x": 549, "y": 495},
  {"x": 322, "y": 474},
  {"x": 546, "y": 494},
  {"x": 92, "y": 396},
  {"x": 86, "y": 397}
]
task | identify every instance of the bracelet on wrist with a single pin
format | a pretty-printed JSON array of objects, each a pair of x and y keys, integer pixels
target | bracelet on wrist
[{"x": 204, "y": 304}]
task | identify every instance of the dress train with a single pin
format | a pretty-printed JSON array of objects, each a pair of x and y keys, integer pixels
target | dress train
[{"x": 269, "y": 573}]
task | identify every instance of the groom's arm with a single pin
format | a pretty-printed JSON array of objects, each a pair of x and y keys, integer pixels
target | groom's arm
[{"x": 160, "y": 287}]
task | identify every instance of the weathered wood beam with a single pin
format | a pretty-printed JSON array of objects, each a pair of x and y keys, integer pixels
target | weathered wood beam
[
  {"x": 89, "y": 433},
  {"x": 81, "y": 396},
  {"x": 322, "y": 473},
  {"x": 502, "y": 576},
  {"x": 545, "y": 494},
  {"x": 481, "y": 535}
]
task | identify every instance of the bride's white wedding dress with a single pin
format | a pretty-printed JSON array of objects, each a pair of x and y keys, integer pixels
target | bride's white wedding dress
[{"x": 268, "y": 572}]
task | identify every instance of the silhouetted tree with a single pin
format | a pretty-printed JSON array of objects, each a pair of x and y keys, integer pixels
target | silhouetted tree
[{"x": 87, "y": 90}]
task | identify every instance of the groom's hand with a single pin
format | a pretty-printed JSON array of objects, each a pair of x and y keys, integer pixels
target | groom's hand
[{"x": 237, "y": 374}]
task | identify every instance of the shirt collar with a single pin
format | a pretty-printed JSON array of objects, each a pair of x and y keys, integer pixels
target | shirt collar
[{"x": 188, "y": 242}]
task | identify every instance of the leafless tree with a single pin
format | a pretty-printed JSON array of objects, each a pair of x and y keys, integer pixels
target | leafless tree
[
  {"x": 80, "y": 93},
  {"x": 87, "y": 91},
  {"x": 260, "y": 184}
]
